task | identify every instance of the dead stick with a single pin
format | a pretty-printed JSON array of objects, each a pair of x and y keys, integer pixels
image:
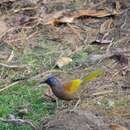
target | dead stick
[
  {"x": 17, "y": 122},
  {"x": 9, "y": 86},
  {"x": 12, "y": 66},
  {"x": 103, "y": 93}
]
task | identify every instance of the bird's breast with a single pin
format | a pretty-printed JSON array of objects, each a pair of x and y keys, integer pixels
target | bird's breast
[{"x": 61, "y": 94}]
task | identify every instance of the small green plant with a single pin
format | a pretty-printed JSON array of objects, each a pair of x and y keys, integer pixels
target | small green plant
[{"x": 25, "y": 95}]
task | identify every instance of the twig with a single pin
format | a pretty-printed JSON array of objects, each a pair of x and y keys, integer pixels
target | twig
[
  {"x": 31, "y": 35},
  {"x": 9, "y": 86},
  {"x": 108, "y": 48},
  {"x": 102, "y": 93},
  {"x": 12, "y": 66},
  {"x": 17, "y": 122},
  {"x": 23, "y": 9},
  {"x": 3, "y": 34},
  {"x": 10, "y": 57}
]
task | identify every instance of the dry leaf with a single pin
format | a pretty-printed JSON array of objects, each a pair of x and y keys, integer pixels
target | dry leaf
[
  {"x": 106, "y": 26},
  {"x": 63, "y": 61},
  {"x": 69, "y": 17},
  {"x": 92, "y": 13},
  {"x": 117, "y": 127}
]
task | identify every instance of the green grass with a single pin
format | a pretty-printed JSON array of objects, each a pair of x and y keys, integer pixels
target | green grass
[{"x": 25, "y": 94}]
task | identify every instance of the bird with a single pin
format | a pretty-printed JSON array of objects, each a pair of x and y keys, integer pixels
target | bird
[{"x": 67, "y": 91}]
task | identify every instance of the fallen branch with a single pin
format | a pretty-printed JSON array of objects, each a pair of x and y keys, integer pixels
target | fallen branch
[
  {"x": 4, "y": 88},
  {"x": 12, "y": 66},
  {"x": 102, "y": 93},
  {"x": 17, "y": 122}
]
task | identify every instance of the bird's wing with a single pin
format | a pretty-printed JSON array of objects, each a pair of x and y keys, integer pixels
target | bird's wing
[{"x": 72, "y": 87}]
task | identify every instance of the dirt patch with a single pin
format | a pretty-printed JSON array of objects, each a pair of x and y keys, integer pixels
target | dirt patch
[{"x": 79, "y": 120}]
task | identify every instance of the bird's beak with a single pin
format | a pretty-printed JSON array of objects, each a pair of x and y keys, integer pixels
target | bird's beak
[{"x": 43, "y": 82}]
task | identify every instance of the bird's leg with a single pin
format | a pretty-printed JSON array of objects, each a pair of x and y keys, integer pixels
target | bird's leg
[
  {"x": 49, "y": 95},
  {"x": 62, "y": 104},
  {"x": 76, "y": 105},
  {"x": 57, "y": 103}
]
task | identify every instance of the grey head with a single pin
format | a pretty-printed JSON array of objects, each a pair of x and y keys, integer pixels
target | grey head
[
  {"x": 57, "y": 87},
  {"x": 53, "y": 82}
]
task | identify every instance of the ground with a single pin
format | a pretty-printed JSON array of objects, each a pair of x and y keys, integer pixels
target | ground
[{"x": 35, "y": 34}]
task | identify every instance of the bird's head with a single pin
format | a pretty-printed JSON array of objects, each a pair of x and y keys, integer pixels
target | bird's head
[{"x": 52, "y": 81}]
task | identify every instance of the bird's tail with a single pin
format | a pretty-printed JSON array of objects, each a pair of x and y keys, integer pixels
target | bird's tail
[{"x": 93, "y": 75}]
